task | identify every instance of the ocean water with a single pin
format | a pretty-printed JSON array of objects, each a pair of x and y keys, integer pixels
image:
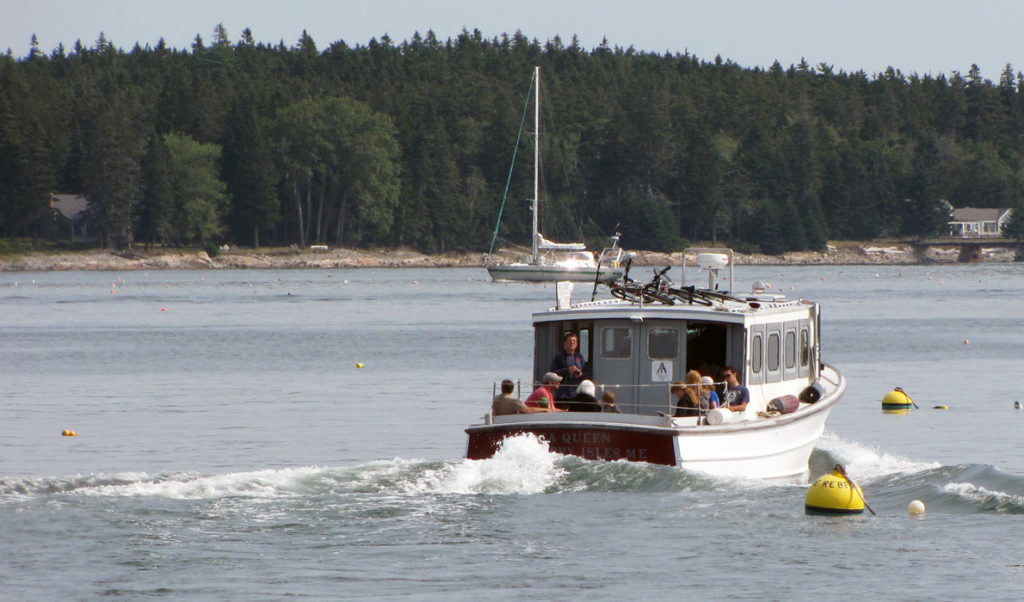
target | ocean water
[{"x": 228, "y": 448}]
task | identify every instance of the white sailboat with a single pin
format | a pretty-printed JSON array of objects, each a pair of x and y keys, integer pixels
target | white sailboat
[{"x": 552, "y": 261}]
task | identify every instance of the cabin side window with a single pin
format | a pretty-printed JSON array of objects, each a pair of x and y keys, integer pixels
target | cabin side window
[
  {"x": 616, "y": 343},
  {"x": 756, "y": 353},
  {"x": 662, "y": 343},
  {"x": 773, "y": 352},
  {"x": 790, "y": 349},
  {"x": 805, "y": 346}
]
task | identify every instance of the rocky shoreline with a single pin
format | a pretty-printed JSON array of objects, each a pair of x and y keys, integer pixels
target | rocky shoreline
[{"x": 322, "y": 258}]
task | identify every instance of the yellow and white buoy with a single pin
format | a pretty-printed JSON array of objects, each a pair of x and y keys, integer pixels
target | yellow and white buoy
[{"x": 833, "y": 494}]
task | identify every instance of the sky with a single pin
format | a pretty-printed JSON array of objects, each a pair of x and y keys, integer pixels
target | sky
[{"x": 915, "y": 36}]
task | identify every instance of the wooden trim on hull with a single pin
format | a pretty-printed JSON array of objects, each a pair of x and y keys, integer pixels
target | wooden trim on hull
[{"x": 592, "y": 442}]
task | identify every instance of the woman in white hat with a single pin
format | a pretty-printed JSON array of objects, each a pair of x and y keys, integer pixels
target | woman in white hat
[
  {"x": 585, "y": 399},
  {"x": 708, "y": 395}
]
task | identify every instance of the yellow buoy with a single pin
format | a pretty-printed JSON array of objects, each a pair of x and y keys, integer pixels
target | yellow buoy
[
  {"x": 359, "y": 365},
  {"x": 68, "y": 433},
  {"x": 897, "y": 402},
  {"x": 941, "y": 407},
  {"x": 916, "y": 508},
  {"x": 834, "y": 494}
]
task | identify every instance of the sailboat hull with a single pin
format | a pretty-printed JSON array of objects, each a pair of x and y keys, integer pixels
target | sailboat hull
[{"x": 551, "y": 273}]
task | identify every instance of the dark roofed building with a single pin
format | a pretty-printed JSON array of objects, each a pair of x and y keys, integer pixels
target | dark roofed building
[
  {"x": 972, "y": 222},
  {"x": 72, "y": 210}
]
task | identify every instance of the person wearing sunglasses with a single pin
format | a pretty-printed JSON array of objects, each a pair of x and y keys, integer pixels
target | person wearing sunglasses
[{"x": 736, "y": 396}]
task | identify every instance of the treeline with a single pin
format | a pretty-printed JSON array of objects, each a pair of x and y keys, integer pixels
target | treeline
[{"x": 411, "y": 144}]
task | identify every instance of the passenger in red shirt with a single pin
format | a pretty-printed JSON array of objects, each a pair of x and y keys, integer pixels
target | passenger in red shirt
[{"x": 544, "y": 396}]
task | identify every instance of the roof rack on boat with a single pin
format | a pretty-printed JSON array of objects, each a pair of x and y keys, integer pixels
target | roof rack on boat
[{"x": 662, "y": 290}]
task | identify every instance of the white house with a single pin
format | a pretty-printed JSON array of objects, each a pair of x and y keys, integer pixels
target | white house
[{"x": 971, "y": 222}]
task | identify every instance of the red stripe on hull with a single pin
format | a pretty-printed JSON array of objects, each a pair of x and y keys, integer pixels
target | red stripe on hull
[{"x": 589, "y": 443}]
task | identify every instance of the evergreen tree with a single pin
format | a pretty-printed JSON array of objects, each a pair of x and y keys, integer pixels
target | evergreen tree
[
  {"x": 249, "y": 174},
  {"x": 1013, "y": 228},
  {"x": 111, "y": 166},
  {"x": 158, "y": 197}
]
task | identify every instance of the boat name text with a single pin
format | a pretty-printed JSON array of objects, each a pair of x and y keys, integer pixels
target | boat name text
[{"x": 597, "y": 446}]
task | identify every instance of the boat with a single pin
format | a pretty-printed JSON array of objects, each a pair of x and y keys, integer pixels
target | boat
[
  {"x": 640, "y": 338},
  {"x": 551, "y": 261},
  {"x": 554, "y": 262}
]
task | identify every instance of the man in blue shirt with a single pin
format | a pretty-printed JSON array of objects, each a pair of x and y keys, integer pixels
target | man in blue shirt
[
  {"x": 570, "y": 365},
  {"x": 736, "y": 396}
]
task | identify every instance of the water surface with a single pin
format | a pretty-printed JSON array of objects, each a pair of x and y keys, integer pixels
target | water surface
[{"x": 229, "y": 448}]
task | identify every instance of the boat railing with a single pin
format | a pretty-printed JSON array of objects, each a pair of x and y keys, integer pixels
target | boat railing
[
  {"x": 645, "y": 399},
  {"x": 664, "y": 403}
]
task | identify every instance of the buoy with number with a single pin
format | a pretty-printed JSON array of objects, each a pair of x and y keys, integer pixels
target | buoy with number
[{"x": 834, "y": 494}]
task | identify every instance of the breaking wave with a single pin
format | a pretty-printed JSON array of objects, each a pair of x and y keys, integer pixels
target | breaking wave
[{"x": 524, "y": 466}]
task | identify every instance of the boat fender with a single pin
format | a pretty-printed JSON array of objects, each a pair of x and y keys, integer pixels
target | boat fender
[
  {"x": 786, "y": 404},
  {"x": 721, "y": 416},
  {"x": 811, "y": 393}
]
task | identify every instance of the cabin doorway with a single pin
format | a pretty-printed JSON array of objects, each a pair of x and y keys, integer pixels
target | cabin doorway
[
  {"x": 706, "y": 348},
  {"x": 548, "y": 342}
]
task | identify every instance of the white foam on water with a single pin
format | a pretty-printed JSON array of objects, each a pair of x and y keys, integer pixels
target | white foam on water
[
  {"x": 867, "y": 463},
  {"x": 523, "y": 465},
  {"x": 255, "y": 484},
  {"x": 980, "y": 495}
]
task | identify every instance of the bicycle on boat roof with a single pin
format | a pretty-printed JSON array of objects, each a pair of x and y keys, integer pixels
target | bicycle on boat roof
[{"x": 662, "y": 289}]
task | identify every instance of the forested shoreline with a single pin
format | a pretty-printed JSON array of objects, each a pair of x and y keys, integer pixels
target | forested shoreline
[{"x": 410, "y": 144}]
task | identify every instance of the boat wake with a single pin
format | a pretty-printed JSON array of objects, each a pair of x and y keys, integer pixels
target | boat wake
[{"x": 524, "y": 466}]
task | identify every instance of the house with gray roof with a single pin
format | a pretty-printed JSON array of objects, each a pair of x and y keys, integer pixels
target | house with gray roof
[{"x": 972, "y": 222}]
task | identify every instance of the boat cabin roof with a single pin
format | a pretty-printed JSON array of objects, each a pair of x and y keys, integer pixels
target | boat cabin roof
[{"x": 750, "y": 309}]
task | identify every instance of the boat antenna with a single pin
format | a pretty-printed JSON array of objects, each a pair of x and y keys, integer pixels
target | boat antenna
[
  {"x": 597, "y": 278},
  {"x": 508, "y": 181}
]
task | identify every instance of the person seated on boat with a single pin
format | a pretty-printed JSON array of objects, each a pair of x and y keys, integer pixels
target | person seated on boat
[
  {"x": 544, "y": 395},
  {"x": 608, "y": 403},
  {"x": 585, "y": 399},
  {"x": 687, "y": 394},
  {"x": 570, "y": 365},
  {"x": 506, "y": 403},
  {"x": 708, "y": 395},
  {"x": 736, "y": 396}
]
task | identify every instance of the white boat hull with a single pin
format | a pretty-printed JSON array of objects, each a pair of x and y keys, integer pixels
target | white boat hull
[
  {"x": 551, "y": 273},
  {"x": 773, "y": 448}
]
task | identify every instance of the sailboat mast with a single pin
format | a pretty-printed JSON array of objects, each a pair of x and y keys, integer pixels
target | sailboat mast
[{"x": 536, "y": 156}]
